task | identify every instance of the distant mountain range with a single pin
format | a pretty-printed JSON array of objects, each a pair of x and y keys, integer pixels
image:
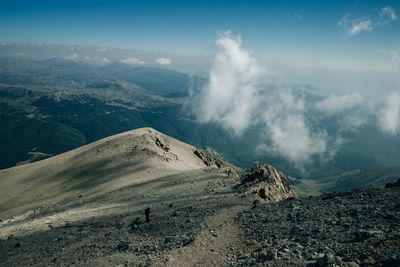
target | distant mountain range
[
  {"x": 52, "y": 106},
  {"x": 58, "y": 73}
]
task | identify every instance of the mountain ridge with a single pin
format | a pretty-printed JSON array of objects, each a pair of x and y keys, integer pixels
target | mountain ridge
[{"x": 98, "y": 168}]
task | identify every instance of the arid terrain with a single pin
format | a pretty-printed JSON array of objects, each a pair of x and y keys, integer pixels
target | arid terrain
[{"x": 86, "y": 207}]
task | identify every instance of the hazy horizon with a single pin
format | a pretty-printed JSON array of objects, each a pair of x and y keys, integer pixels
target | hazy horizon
[{"x": 340, "y": 46}]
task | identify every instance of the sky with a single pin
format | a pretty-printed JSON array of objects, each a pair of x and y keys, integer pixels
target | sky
[
  {"x": 190, "y": 26},
  {"x": 304, "y": 42}
]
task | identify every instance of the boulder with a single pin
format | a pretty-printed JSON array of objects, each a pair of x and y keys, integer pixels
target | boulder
[
  {"x": 268, "y": 184},
  {"x": 228, "y": 171}
]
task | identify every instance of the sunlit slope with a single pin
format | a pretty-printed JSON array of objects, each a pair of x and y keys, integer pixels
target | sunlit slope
[{"x": 126, "y": 159}]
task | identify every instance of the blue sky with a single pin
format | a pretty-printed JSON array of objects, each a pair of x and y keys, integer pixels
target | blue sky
[
  {"x": 192, "y": 25},
  {"x": 338, "y": 35}
]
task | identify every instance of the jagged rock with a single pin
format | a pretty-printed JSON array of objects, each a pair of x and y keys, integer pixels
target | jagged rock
[
  {"x": 164, "y": 146},
  {"x": 268, "y": 183},
  {"x": 209, "y": 160}
]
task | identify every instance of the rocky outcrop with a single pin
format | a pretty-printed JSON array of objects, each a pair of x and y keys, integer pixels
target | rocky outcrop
[
  {"x": 161, "y": 144},
  {"x": 212, "y": 160},
  {"x": 208, "y": 159},
  {"x": 267, "y": 183},
  {"x": 228, "y": 171}
]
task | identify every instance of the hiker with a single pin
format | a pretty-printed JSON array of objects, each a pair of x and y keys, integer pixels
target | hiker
[{"x": 147, "y": 212}]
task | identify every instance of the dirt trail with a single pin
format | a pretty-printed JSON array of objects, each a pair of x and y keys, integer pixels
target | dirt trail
[{"x": 215, "y": 245}]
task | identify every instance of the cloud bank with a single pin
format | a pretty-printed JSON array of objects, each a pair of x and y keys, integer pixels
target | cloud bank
[
  {"x": 389, "y": 114},
  {"x": 335, "y": 104},
  {"x": 388, "y": 12},
  {"x": 288, "y": 124},
  {"x": 105, "y": 60},
  {"x": 132, "y": 61},
  {"x": 288, "y": 130},
  {"x": 359, "y": 26},
  {"x": 163, "y": 61},
  {"x": 230, "y": 97},
  {"x": 353, "y": 27},
  {"x": 73, "y": 56},
  {"x": 233, "y": 98}
]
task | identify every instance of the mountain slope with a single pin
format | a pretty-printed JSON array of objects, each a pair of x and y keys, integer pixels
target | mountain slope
[
  {"x": 106, "y": 186},
  {"x": 104, "y": 166},
  {"x": 87, "y": 207}
]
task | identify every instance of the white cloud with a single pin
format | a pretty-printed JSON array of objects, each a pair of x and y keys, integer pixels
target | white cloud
[
  {"x": 388, "y": 11},
  {"x": 233, "y": 99},
  {"x": 73, "y": 56},
  {"x": 357, "y": 27},
  {"x": 384, "y": 16},
  {"x": 389, "y": 115},
  {"x": 105, "y": 60},
  {"x": 163, "y": 61},
  {"x": 236, "y": 98},
  {"x": 132, "y": 61},
  {"x": 288, "y": 131},
  {"x": 230, "y": 97},
  {"x": 351, "y": 123},
  {"x": 334, "y": 104},
  {"x": 344, "y": 20}
]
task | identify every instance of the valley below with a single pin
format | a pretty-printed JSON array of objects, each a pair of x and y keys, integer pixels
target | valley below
[{"x": 49, "y": 107}]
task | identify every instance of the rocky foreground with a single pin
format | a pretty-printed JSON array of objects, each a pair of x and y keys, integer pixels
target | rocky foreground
[
  {"x": 335, "y": 229},
  {"x": 226, "y": 221}
]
